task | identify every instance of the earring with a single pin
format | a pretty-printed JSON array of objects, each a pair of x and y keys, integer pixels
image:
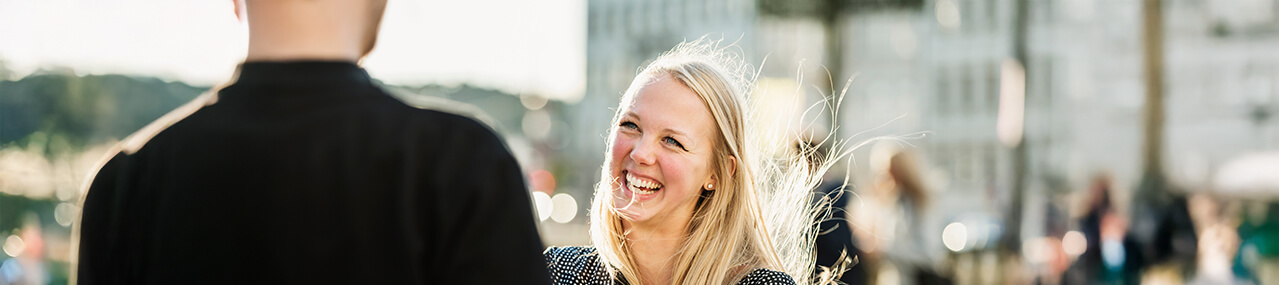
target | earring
[{"x": 710, "y": 186}]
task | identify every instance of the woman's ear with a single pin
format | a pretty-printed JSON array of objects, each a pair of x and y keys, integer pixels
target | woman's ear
[
  {"x": 732, "y": 170},
  {"x": 732, "y": 165}
]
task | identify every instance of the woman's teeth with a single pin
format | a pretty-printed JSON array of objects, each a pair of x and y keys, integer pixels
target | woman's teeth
[{"x": 642, "y": 186}]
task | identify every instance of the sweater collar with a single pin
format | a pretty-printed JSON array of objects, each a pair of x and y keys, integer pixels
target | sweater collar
[{"x": 306, "y": 73}]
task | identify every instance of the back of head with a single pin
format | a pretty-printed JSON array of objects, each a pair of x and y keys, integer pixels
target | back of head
[
  {"x": 280, "y": 30},
  {"x": 905, "y": 171}
]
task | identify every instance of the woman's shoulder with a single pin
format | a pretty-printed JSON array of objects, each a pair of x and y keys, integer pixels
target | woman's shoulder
[
  {"x": 764, "y": 276},
  {"x": 575, "y": 265},
  {"x": 557, "y": 254}
]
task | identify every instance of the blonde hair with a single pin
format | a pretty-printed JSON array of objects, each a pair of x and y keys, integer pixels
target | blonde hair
[{"x": 732, "y": 231}]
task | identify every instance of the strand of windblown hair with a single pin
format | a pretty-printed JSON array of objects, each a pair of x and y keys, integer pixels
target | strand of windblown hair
[
  {"x": 785, "y": 187},
  {"x": 785, "y": 179},
  {"x": 788, "y": 176}
]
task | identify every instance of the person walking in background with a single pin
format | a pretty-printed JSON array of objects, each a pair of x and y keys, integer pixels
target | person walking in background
[
  {"x": 685, "y": 197},
  {"x": 29, "y": 266},
  {"x": 302, "y": 171},
  {"x": 894, "y": 225},
  {"x": 1111, "y": 255}
]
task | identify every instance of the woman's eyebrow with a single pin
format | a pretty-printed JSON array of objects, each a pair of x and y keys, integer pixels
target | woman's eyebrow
[{"x": 677, "y": 132}]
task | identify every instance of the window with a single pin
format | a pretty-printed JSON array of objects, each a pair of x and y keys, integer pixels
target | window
[
  {"x": 616, "y": 19},
  {"x": 967, "y": 92},
  {"x": 990, "y": 164},
  {"x": 992, "y": 13},
  {"x": 595, "y": 20},
  {"x": 942, "y": 104},
  {"x": 991, "y": 101}
]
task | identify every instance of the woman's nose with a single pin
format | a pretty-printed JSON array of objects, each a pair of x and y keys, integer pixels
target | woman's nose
[{"x": 642, "y": 153}]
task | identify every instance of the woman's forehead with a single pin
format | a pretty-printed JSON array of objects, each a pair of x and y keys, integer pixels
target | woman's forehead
[{"x": 666, "y": 100}]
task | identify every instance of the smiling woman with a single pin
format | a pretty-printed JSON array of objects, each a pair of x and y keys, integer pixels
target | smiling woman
[
  {"x": 662, "y": 145},
  {"x": 680, "y": 200}
]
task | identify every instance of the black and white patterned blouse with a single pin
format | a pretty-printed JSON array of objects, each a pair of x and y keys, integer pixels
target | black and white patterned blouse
[{"x": 581, "y": 266}]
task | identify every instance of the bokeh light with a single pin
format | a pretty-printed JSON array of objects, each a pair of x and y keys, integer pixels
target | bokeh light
[
  {"x": 65, "y": 213},
  {"x": 1038, "y": 250},
  {"x": 1074, "y": 243},
  {"x": 543, "y": 203},
  {"x": 13, "y": 246},
  {"x": 947, "y": 14},
  {"x": 565, "y": 208},
  {"x": 955, "y": 236},
  {"x": 536, "y": 124}
]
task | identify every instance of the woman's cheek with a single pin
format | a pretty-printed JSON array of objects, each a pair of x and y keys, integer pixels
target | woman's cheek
[{"x": 621, "y": 147}]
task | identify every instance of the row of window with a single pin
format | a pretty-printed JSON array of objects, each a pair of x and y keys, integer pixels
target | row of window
[
  {"x": 974, "y": 88},
  {"x": 981, "y": 14},
  {"x": 967, "y": 89},
  {"x": 621, "y": 17},
  {"x": 972, "y": 166}
]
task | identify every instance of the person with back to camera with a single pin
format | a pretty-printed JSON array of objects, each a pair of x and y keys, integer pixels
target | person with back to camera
[
  {"x": 686, "y": 195},
  {"x": 302, "y": 171}
]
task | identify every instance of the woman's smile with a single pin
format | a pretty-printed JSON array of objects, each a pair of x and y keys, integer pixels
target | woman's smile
[{"x": 641, "y": 186}]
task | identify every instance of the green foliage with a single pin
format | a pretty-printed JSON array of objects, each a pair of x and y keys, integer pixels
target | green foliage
[
  {"x": 83, "y": 110},
  {"x": 14, "y": 208}
]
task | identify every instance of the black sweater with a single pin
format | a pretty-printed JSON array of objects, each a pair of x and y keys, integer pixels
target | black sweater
[{"x": 307, "y": 173}]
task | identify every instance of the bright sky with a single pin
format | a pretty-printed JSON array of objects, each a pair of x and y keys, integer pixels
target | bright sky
[{"x": 536, "y": 47}]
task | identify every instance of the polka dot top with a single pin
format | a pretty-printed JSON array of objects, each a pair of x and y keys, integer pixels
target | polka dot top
[{"x": 581, "y": 266}]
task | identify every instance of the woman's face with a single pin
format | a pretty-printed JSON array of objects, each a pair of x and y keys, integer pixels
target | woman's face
[{"x": 661, "y": 153}]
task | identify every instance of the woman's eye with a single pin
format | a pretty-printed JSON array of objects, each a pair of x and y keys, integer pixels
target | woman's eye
[
  {"x": 628, "y": 125},
  {"x": 672, "y": 141}
]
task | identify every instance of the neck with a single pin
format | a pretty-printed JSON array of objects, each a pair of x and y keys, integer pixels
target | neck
[
  {"x": 654, "y": 248},
  {"x": 301, "y": 30}
]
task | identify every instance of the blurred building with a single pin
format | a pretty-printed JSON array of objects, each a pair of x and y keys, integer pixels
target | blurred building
[
  {"x": 936, "y": 66},
  {"x": 940, "y": 68}
]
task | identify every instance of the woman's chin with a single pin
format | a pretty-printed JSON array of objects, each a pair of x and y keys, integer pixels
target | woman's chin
[
  {"x": 631, "y": 204},
  {"x": 627, "y": 207},
  {"x": 630, "y": 215}
]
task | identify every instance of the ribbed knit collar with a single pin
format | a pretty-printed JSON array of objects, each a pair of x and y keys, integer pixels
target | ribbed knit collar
[{"x": 303, "y": 73}]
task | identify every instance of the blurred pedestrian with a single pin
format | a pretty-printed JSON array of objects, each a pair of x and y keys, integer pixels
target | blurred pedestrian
[
  {"x": 895, "y": 222},
  {"x": 302, "y": 171},
  {"x": 684, "y": 197},
  {"x": 1111, "y": 255},
  {"x": 28, "y": 266}
]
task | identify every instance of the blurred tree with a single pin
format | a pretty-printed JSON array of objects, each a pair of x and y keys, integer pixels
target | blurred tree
[
  {"x": 58, "y": 111},
  {"x": 4, "y": 70},
  {"x": 1161, "y": 218},
  {"x": 85, "y": 109},
  {"x": 1011, "y": 243},
  {"x": 13, "y": 209}
]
